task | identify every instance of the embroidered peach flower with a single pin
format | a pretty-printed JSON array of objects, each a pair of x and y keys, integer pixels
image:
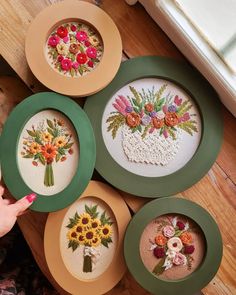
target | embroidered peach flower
[
  {"x": 133, "y": 119},
  {"x": 168, "y": 231},
  {"x": 60, "y": 141},
  {"x": 74, "y": 48},
  {"x": 174, "y": 244},
  {"x": 171, "y": 119},
  {"x": 35, "y": 148},
  {"x": 62, "y": 49},
  {"x": 179, "y": 259},
  {"x": 149, "y": 107},
  {"x": 157, "y": 123},
  {"x": 186, "y": 238},
  {"x": 46, "y": 136},
  {"x": 160, "y": 240}
]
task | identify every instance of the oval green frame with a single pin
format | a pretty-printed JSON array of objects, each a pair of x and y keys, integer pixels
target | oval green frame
[
  {"x": 207, "y": 269},
  {"x": 186, "y": 77},
  {"x": 8, "y": 147}
]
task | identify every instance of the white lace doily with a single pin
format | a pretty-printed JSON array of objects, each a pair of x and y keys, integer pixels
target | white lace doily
[{"x": 153, "y": 149}]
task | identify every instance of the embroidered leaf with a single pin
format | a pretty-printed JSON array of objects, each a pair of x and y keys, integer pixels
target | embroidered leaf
[
  {"x": 68, "y": 145},
  {"x": 92, "y": 211},
  {"x": 145, "y": 131},
  {"x": 160, "y": 92},
  {"x": 74, "y": 245},
  {"x": 136, "y": 109},
  {"x": 135, "y": 94},
  {"x": 31, "y": 133},
  {"x": 105, "y": 219},
  {"x": 80, "y": 70},
  {"x": 61, "y": 151},
  {"x": 72, "y": 72},
  {"x": 139, "y": 128},
  {"x": 135, "y": 102},
  {"x": 104, "y": 243},
  {"x": 159, "y": 269},
  {"x": 111, "y": 118},
  {"x": 178, "y": 233},
  {"x": 28, "y": 156},
  {"x": 190, "y": 125},
  {"x": 172, "y": 134},
  {"x": 117, "y": 122},
  {"x": 189, "y": 261},
  {"x": 81, "y": 48},
  {"x": 50, "y": 131},
  {"x": 41, "y": 159},
  {"x": 161, "y": 131},
  {"x": 58, "y": 156},
  {"x": 50, "y": 123}
]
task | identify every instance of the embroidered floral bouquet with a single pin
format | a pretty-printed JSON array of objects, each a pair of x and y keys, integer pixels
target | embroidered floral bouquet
[
  {"x": 151, "y": 124},
  {"x": 50, "y": 142},
  {"x": 74, "y": 49},
  {"x": 88, "y": 230},
  {"x": 173, "y": 245}
]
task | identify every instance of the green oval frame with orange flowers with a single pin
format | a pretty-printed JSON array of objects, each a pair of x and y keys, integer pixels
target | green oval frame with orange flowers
[
  {"x": 213, "y": 247},
  {"x": 209, "y": 106},
  {"x": 9, "y": 145}
]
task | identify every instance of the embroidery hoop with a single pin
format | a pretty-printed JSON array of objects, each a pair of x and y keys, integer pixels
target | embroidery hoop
[
  {"x": 183, "y": 75},
  {"x": 112, "y": 275},
  {"x": 9, "y": 145},
  {"x": 207, "y": 269},
  {"x": 52, "y": 17}
]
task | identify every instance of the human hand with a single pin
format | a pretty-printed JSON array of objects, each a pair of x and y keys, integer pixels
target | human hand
[{"x": 10, "y": 211}]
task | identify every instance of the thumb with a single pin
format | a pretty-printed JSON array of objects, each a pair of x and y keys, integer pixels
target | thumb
[{"x": 24, "y": 203}]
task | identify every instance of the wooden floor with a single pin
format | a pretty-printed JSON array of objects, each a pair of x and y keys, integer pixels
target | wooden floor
[{"x": 141, "y": 36}]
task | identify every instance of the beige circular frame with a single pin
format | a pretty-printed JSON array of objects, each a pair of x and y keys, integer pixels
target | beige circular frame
[
  {"x": 115, "y": 271},
  {"x": 57, "y": 14}
]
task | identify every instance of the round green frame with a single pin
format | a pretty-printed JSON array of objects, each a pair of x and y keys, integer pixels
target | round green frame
[
  {"x": 209, "y": 106},
  {"x": 204, "y": 273},
  {"x": 9, "y": 143}
]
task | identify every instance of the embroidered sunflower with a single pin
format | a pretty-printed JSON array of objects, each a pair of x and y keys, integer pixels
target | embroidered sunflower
[
  {"x": 35, "y": 148},
  {"x": 81, "y": 239},
  {"x": 60, "y": 141},
  {"x": 47, "y": 137},
  {"x": 95, "y": 223},
  {"x": 96, "y": 241},
  {"x": 79, "y": 228},
  {"x": 105, "y": 231},
  {"x": 72, "y": 235},
  {"x": 89, "y": 236},
  {"x": 84, "y": 220}
]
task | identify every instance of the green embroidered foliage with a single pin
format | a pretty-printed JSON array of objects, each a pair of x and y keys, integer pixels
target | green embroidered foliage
[
  {"x": 159, "y": 269},
  {"x": 92, "y": 211},
  {"x": 106, "y": 242},
  {"x": 188, "y": 126},
  {"x": 145, "y": 131},
  {"x": 186, "y": 106},
  {"x": 160, "y": 92},
  {"x": 116, "y": 121},
  {"x": 105, "y": 219},
  {"x": 189, "y": 261},
  {"x": 73, "y": 244},
  {"x": 31, "y": 133},
  {"x": 73, "y": 221},
  {"x": 171, "y": 132},
  {"x": 135, "y": 94}
]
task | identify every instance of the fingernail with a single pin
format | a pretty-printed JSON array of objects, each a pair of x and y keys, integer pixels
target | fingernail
[{"x": 31, "y": 198}]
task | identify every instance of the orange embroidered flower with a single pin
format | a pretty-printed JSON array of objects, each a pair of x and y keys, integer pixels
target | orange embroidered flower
[
  {"x": 133, "y": 119},
  {"x": 160, "y": 240},
  {"x": 149, "y": 107},
  {"x": 157, "y": 123},
  {"x": 186, "y": 238},
  {"x": 171, "y": 119},
  {"x": 49, "y": 151}
]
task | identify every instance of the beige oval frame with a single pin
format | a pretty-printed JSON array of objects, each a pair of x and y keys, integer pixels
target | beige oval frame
[
  {"x": 57, "y": 14},
  {"x": 115, "y": 271}
]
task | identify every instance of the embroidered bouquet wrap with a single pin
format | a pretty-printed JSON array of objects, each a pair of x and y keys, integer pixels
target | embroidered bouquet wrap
[{"x": 152, "y": 124}]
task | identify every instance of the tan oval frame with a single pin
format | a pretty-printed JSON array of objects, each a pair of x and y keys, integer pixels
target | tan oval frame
[
  {"x": 61, "y": 12},
  {"x": 115, "y": 271}
]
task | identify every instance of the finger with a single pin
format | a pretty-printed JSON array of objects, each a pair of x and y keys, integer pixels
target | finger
[
  {"x": 1, "y": 192},
  {"x": 7, "y": 201},
  {"x": 23, "y": 213},
  {"x": 23, "y": 203}
]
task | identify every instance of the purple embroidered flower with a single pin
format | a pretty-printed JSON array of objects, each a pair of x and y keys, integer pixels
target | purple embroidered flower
[
  {"x": 153, "y": 114},
  {"x": 159, "y": 252},
  {"x": 146, "y": 120},
  {"x": 128, "y": 109},
  {"x": 172, "y": 108}
]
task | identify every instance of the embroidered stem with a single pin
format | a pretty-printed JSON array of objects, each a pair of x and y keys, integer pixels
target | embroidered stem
[
  {"x": 48, "y": 175},
  {"x": 159, "y": 269},
  {"x": 87, "y": 267}
]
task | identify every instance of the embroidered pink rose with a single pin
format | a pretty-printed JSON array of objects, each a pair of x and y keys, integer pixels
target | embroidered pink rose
[
  {"x": 179, "y": 259},
  {"x": 168, "y": 231},
  {"x": 66, "y": 39},
  {"x": 75, "y": 65},
  {"x": 66, "y": 64},
  {"x": 81, "y": 36},
  {"x": 177, "y": 100},
  {"x": 53, "y": 41},
  {"x": 91, "y": 52}
]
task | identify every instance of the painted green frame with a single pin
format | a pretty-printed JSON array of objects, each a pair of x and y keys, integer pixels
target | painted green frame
[
  {"x": 204, "y": 273},
  {"x": 193, "y": 83},
  {"x": 9, "y": 143}
]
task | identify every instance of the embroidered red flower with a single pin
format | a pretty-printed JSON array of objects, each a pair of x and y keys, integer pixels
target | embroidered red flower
[
  {"x": 157, "y": 123},
  {"x": 53, "y": 41},
  {"x": 60, "y": 58},
  {"x": 73, "y": 28},
  {"x": 66, "y": 64},
  {"x": 81, "y": 58},
  {"x": 81, "y": 36},
  {"x": 159, "y": 252},
  {"x": 91, "y": 52},
  {"x": 189, "y": 249},
  {"x": 87, "y": 43},
  {"x": 171, "y": 119},
  {"x": 62, "y": 32},
  {"x": 180, "y": 225},
  {"x": 90, "y": 64}
]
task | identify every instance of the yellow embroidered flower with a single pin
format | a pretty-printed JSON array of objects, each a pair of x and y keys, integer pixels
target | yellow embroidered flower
[
  {"x": 105, "y": 231},
  {"x": 72, "y": 235},
  {"x": 95, "y": 223},
  {"x": 79, "y": 228},
  {"x": 94, "y": 41},
  {"x": 34, "y": 148},
  {"x": 25, "y": 142},
  {"x": 62, "y": 49},
  {"x": 47, "y": 137},
  {"x": 81, "y": 239},
  {"x": 84, "y": 220},
  {"x": 60, "y": 141},
  {"x": 89, "y": 235},
  {"x": 96, "y": 241}
]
